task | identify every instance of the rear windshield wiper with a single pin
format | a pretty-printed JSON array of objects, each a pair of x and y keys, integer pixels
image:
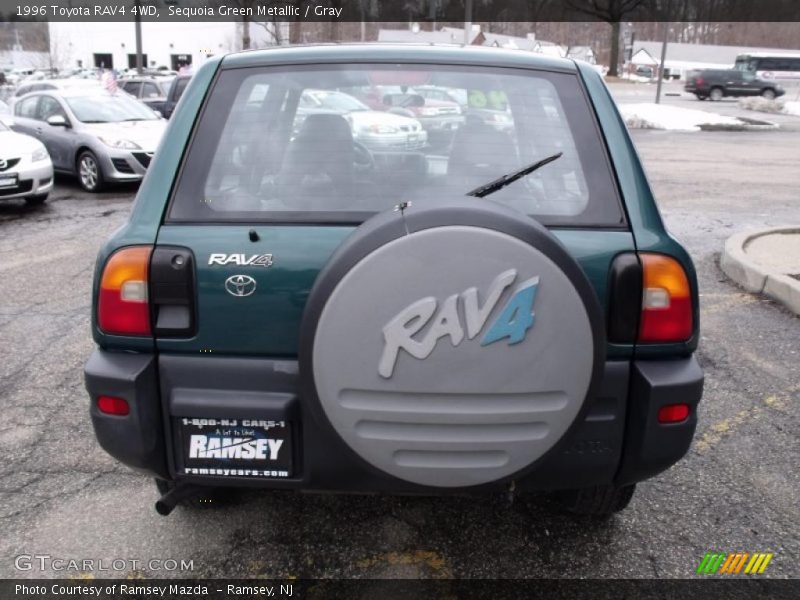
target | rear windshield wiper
[{"x": 501, "y": 182}]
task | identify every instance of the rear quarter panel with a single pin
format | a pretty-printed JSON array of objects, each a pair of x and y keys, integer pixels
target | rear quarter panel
[
  {"x": 647, "y": 226},
  {"x": 152, "y": 197}
]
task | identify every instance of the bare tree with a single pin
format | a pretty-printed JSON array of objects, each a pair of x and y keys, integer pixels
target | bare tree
[
  {"x": 248, "y": 6},
  {"x": 612, "y": 12},
  {"x": 56, "y": 53},
  {"x": 274, "y": 30}
]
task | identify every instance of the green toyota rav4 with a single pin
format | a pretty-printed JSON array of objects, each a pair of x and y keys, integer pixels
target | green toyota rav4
[{"x": 325, "y": 298}]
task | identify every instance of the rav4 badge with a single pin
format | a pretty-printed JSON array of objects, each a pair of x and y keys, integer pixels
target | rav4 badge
[{"x": 242, "y": 260}]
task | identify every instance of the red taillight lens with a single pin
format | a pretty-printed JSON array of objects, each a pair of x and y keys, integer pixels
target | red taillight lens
[
  {"x": 666, "y": 300},
  {"x": 673, "y": 413},
  {"x": 698, "y": 81},
  {"x": 113, "y": 406},
  {"x": 122, "y": 307}
]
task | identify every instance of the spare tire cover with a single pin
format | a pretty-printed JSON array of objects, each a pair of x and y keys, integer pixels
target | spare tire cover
[{"x": 452, "y": 346}]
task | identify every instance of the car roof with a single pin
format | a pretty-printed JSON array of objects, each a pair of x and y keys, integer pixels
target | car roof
[
  {"x": 413, "y": 53},
  {"x": 143, "y": 78},
  {"x": 62, "y": 83},
  {"x": 80, "y": 92}
]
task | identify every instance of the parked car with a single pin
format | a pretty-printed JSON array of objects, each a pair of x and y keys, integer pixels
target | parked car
[
  {"x": 55, "y": 84},
  {"x": 98, "y": 136},
  {"x": 174, "y": 93},
  {"x": 25, "y": 168},
  {"x": 435, "y": 115},
  {"x": 717, "y": 84},
  {"x": 150, "y": 90},
  {"x": 376, "y": 130},
  {"x": 431, "y": 92},
  {"x": 507, "y": 314}
]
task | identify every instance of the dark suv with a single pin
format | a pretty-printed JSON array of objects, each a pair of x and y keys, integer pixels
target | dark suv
[
  {"x": 716, "y": 84},
  {"x": 287, "y": 308}
]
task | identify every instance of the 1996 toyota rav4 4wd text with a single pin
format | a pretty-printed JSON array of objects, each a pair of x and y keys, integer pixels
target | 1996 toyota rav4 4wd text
[{"x": 496, "y": 308}]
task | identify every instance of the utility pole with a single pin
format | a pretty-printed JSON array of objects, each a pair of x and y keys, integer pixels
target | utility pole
[
  {"x": 467, "y": 22},
  {"x": 138, "y": 23},
  {"x": 661, "y": 64}
]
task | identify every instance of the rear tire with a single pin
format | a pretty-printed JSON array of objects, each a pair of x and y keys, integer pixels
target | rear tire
[
  {"x": 768, "y": 94},
  {"x": 597, "y": 501},
  {"x": 36, "y": 200},
  {"x": 212, "y": 498},
  {"x": 90, "y": 174},
  {"x": 716, "y": 94},
  {"x": 701, "y": 97}
]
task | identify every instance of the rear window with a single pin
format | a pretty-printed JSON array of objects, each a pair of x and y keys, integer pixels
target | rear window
[{"x": 340, "y": 143}]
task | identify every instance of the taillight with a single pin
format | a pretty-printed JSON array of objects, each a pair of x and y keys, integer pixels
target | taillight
[
  {"x": 123, "y": 307},
  {"x": 666, "y": 300},
  {"x": 698, "y": 81}
]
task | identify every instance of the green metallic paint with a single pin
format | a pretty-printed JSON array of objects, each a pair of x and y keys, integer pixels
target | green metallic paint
[
  {"x": 268, "y": 323},
  {"x": 646, "y": 224},
  {"x": 397, "y": 53},
  {"x": 152, "y": 197}
]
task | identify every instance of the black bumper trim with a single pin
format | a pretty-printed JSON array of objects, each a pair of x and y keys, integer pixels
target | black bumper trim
[
  {"x": 620, "y": 441},
  {"x": 138, "y": 438},
  {"x": 652, "y": 447}
]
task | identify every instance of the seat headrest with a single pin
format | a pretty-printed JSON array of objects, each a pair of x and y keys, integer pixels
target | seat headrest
[{"x": 326, "y": 126}]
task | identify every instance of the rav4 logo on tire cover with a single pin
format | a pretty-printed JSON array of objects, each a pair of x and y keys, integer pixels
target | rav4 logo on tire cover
[{"x": 513, "y": 321}]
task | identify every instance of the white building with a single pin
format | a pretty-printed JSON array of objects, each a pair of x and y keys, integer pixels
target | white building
[{"x": 113, "y": 45}]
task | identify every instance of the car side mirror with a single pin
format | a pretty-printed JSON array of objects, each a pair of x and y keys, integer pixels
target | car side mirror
[{"x": 57, "y": 121}]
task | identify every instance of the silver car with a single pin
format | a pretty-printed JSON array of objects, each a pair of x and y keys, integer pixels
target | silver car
[
  {"x": 25, "y": 167},
  {"x": 99, "y": 136},
  {"x": 55, "y": 84}
]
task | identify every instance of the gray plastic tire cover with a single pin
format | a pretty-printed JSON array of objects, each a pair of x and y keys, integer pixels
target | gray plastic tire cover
[{"x": 466, "y": 412}]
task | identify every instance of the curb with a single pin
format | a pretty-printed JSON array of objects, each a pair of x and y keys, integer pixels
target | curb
[{"x": 737, "y": 265}]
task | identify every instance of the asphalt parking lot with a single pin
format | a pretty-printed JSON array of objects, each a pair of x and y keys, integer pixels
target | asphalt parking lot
[{"x": 61, "y": 496}]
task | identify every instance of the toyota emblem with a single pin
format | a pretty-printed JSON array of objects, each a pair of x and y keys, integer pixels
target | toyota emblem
[{"x": 240, "y": 285}]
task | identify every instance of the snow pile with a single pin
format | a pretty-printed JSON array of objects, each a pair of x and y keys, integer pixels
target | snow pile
[
  {"x": 761, "y": 104},
  {"x": 791, "y": 108},
  {"x": 673, "y": 118},
  {"x": 771, "y": 106}
]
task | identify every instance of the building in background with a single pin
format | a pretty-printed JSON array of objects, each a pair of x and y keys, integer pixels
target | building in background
[
  {"x": 479, "y": 37},
  {"x": 170, "y": 45}
]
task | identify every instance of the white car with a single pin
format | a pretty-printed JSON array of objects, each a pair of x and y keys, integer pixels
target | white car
[
  {"x": 26, "y": 170},
  {"x": 374, "y": 129}
]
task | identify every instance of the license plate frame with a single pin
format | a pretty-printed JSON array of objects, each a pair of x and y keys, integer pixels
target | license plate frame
[
  {"x": 9, "y": 181},
  {"x": 236, "y": 447}
]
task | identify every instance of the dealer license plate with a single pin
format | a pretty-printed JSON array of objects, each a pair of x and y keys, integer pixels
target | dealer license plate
[
  {"x": 236, "y": 447},
  {"x": 8, "y": 181}
]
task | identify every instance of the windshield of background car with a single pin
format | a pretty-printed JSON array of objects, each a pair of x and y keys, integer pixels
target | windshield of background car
[
  {"x": 108, "y": 108},
  {"x": 262, "y": 152}
]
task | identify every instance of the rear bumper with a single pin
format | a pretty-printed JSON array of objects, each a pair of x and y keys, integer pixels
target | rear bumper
[{"x": 619, "y": 441}]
